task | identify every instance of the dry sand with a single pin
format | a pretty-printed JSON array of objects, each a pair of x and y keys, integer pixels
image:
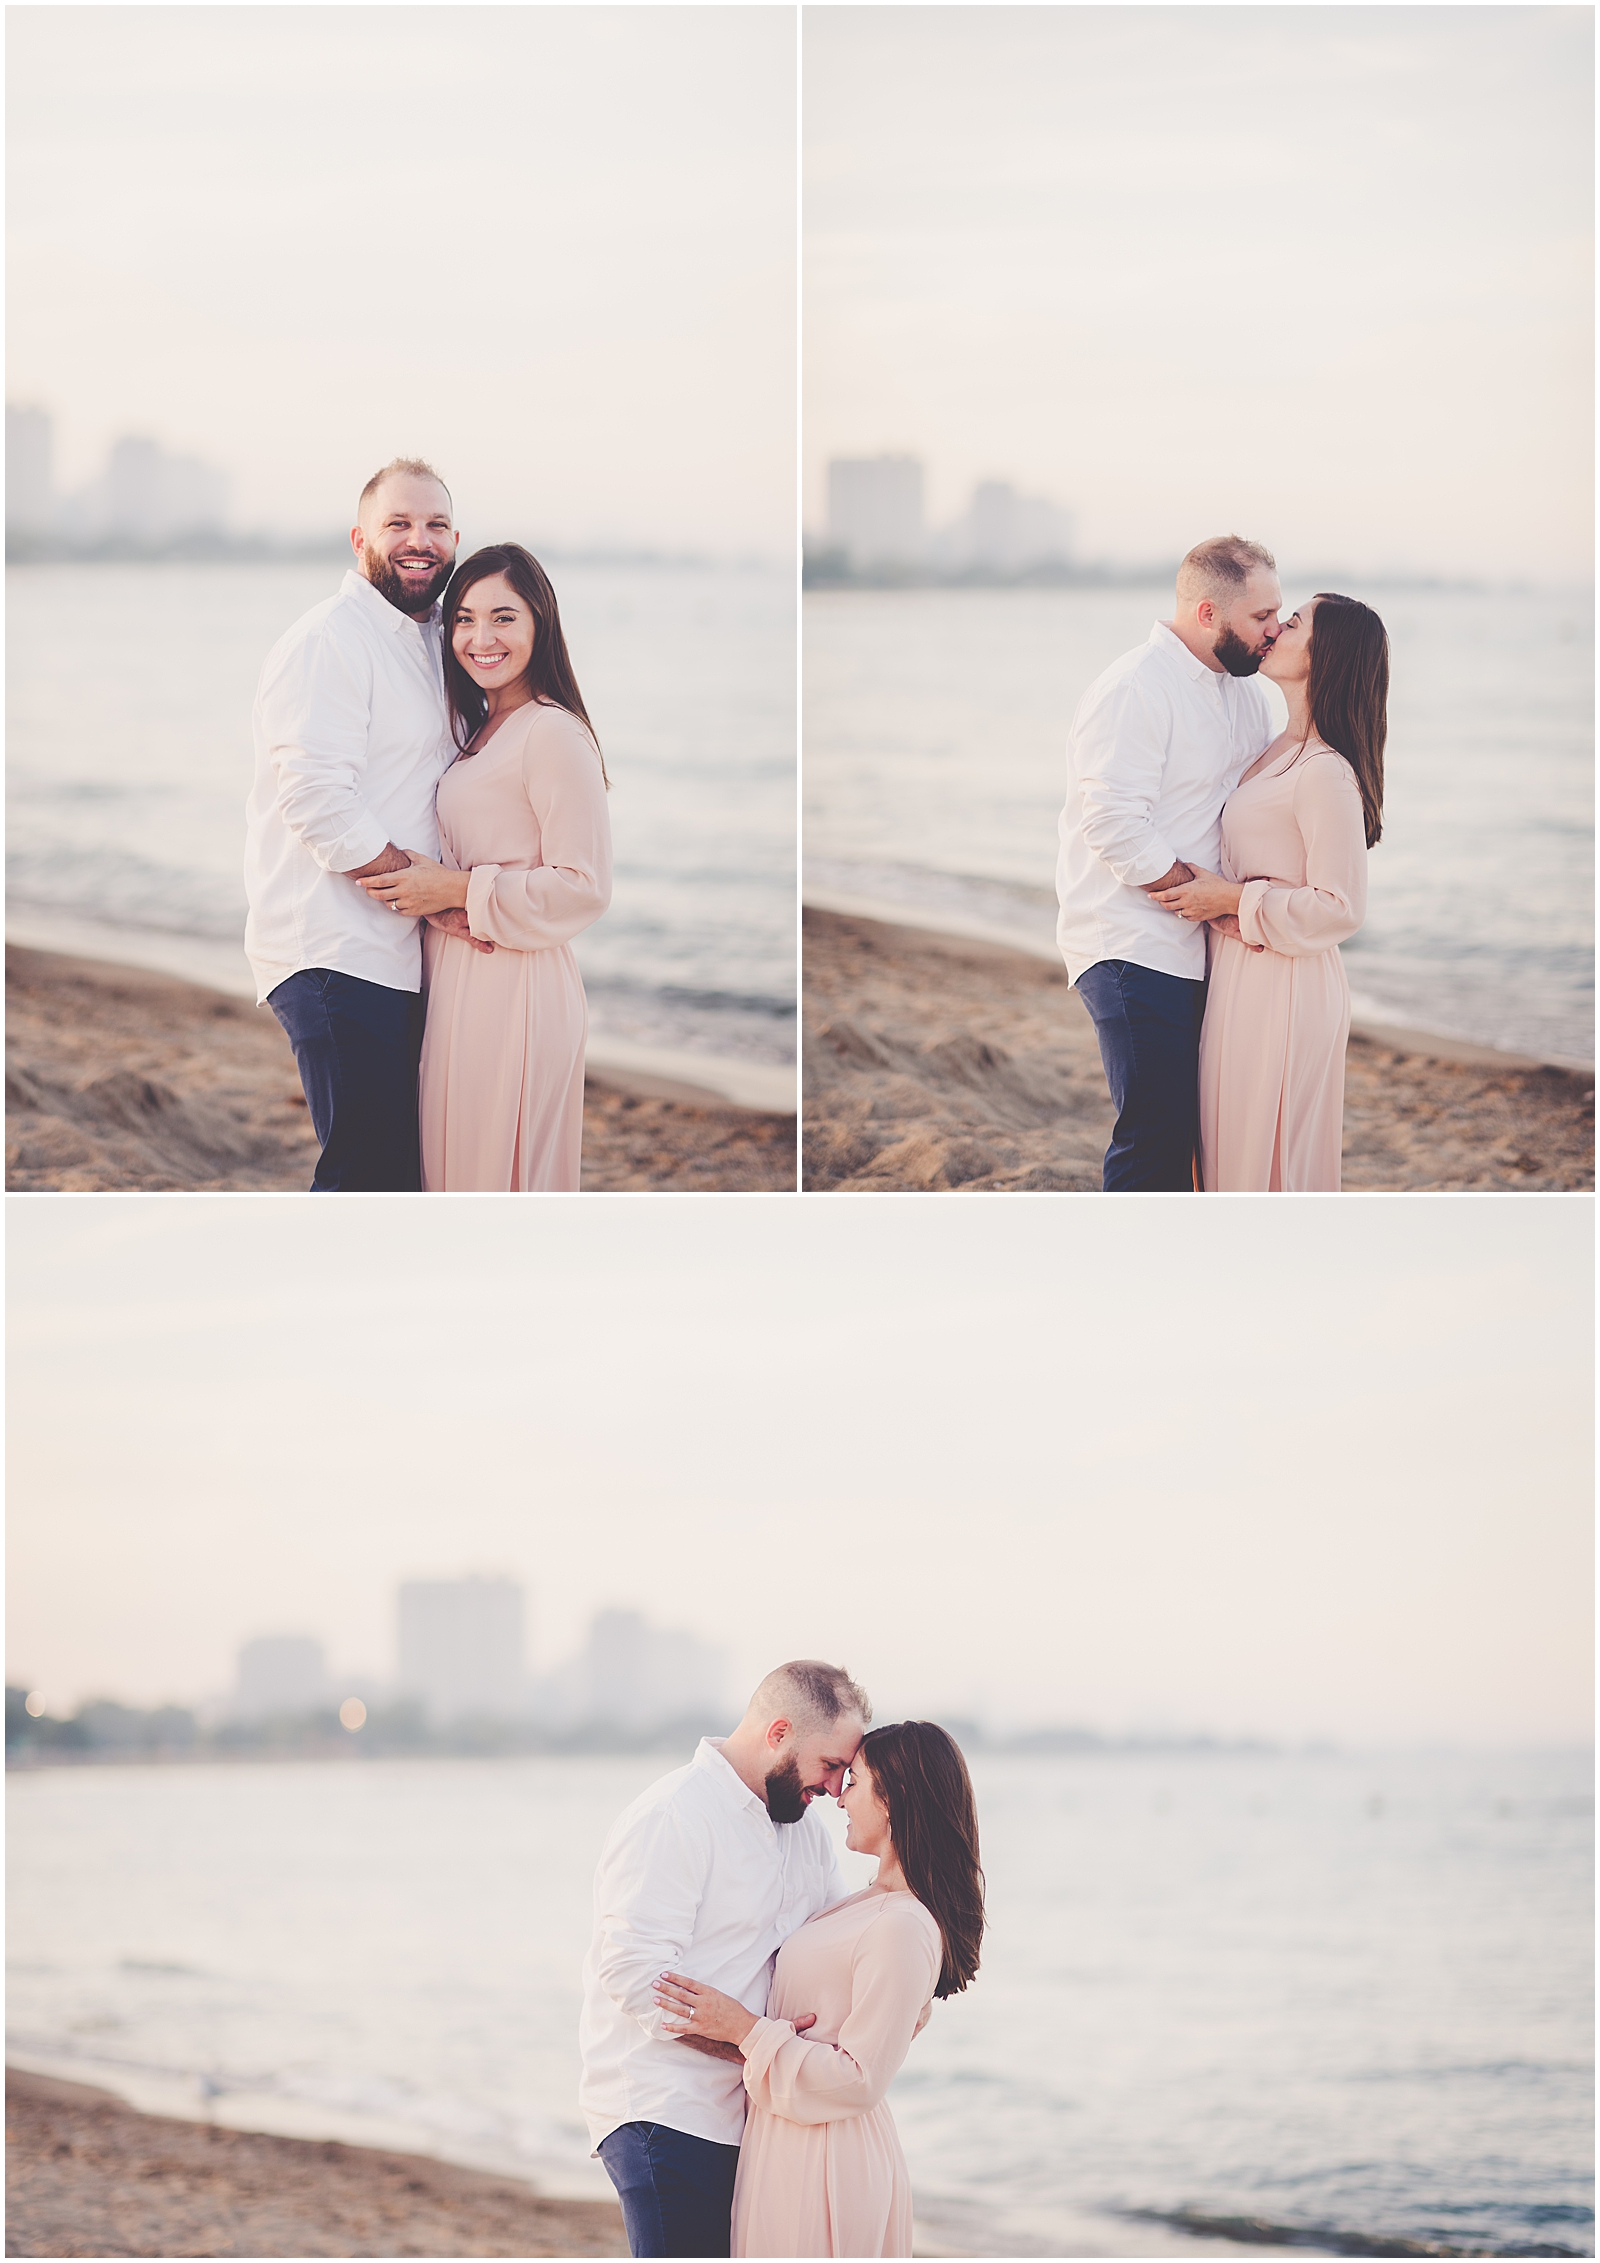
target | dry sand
[
  {"x": 933, "y": 1062},
  {"x": 117, "y": 1079},
  {"x": 86, "y": 2175}
]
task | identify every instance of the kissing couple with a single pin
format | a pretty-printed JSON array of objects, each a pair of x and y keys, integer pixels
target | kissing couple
[
  {"x": 743, "y": 2012},
  {"x": 426, "y": 833},
  {"x": 1198, "y": 841}
]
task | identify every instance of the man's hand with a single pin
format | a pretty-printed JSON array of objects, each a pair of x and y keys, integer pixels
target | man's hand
[
  {"x": 732, "y": 2051},
  {"x": 391, "y": 859},
  {"x": 1228, "y": 924},
  {"x": 1174, "y": 879},
  {"x": 454, "y": 922}
]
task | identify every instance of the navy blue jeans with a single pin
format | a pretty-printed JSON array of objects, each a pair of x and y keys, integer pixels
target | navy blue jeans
[
  {"x": 676, "y": 2191},
  {"x": 1148, "y": 1025},
  {"x": 356, "y": 1045}
]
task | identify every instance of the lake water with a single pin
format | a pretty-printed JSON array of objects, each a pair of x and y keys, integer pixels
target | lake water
[
  {"x": 1348, "y": 1996},
  {"x": 129, "y": 696},
  {"x": 934, "y": 766}
]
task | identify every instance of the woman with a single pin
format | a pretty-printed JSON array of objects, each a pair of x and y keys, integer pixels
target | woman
[
  {"x": 820, "y": 2169},
  {"x": 527, "y": 865},
  {"x": 1293, "y": 886}
]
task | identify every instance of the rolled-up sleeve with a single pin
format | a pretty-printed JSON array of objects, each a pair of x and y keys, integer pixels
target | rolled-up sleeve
[
  {"x": 316, "y": 710},
  {"x": 1122, "y": 746},
  {"x": 648, "y": 1891},
  {"x": 524, "y": 909},
  {"x": 1328, "y": 909},
  {"x": 893, "y": 1970}
]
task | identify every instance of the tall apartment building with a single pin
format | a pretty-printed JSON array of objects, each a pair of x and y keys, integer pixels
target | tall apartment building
[
  {"x": 30, "y": 484},
  {"x": 639, "y": 1676},
  {"x": 875, "y": 509},
  {"x": 462, "y": 1646},
  {"x": 280, "y": 1673}
]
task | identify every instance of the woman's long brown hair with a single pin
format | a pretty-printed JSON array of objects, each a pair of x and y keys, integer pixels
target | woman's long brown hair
[
  {"x": 550, "y": 676},
  {"x": 1349, "y": 693},
  {"x": 918, "y": 1772}
]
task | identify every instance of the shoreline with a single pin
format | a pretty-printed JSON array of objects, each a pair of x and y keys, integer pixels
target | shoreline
[
  {"x": 937, "y": 1061},
  {"x": 87, "y": 2174},
  {"x": 1400, "y": 1037},
  {"x": 90, "y": 2174},
  {"x": 653, "y": 1072},
  {"x": 127, "y": 1078}
]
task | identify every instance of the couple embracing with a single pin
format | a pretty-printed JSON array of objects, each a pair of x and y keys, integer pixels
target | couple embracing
[
  {"x": 1210, "y": 867},
  {"x": 743, "y": 2012},
  {"x": 427, "y": 832}
]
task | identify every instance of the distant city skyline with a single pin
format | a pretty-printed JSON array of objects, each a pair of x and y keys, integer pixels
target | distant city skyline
[
  {"x": 1018, "y": 1463},
  {"x": 144, "y": 493},
  {"x": 877, "y": 516},
  {"x": 258, "y": 235},
  {"x": 1214, "y": 268}
]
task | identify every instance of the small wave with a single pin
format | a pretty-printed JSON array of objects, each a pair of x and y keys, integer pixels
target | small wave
[{"x": 1330, "y": 2239}]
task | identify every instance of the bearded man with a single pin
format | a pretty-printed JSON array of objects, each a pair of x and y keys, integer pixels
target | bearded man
[
  {"x": 708, "y": 1872},
  {"x": 1158, "y": 743},
  {"x": 351, "y": 740}
]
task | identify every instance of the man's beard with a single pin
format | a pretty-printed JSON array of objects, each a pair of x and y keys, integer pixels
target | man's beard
[
  {"x": 1236, "y": 656},
  {"x": 404, "y": 596},
  {"x": 786, "y": 1795}
]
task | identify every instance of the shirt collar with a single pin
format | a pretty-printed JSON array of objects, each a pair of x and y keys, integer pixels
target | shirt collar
[
  {"x": 394, "y": 620},
  {"x": 1166, "y": 640},
  {"x": 708, "y": 1754}
]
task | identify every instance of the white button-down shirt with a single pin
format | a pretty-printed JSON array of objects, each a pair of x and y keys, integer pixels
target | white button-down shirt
[
  {"x": 351, "y": 740},
  {"x": 1158, "y": 743},
  {"x": 694, "y": 1878}
]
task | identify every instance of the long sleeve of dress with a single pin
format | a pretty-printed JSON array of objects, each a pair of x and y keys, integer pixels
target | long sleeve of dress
[
  {"x": 893, "y": 1970},
  {"x": 523, "y": 909},
  {"x": 1330, "y": 907}
]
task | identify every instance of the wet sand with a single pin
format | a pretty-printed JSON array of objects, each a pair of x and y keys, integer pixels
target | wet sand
[
  {"x": 86, "y": 2175},
  {"x": 117, "y": 1079},
  {"x": 934, "y": 1062}
]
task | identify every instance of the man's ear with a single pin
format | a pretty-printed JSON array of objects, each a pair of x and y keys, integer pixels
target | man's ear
[
  {"x": 777, "y": 1731},
  {"x": 1206, "y": 613}
]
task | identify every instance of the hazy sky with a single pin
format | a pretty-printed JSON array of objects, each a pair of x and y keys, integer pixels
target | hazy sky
[
  {"x": 551, "y": 248},
  {"x": 1321, "y": 274},
  {"x": 1122, "y": 1464}
]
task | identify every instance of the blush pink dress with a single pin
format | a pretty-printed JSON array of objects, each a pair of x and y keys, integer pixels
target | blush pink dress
[
  {"x": 1272, "y": 1045},
  {"x": 501, "y": 1089},
  {"x": 820, "y": 2169}
]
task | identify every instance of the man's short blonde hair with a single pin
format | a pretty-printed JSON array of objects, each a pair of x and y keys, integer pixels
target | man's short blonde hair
[
  {"x": 403, "y": 467},
  {"x": 812, "y": 1694},
  {"x": 1219, "y": 569}
]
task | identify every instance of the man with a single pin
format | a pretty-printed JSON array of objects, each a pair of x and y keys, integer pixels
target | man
[
  {"x": 351, "y": 740},
  {"x": 1157, "y": 745},
  {"x": 708, "y": 1872}
]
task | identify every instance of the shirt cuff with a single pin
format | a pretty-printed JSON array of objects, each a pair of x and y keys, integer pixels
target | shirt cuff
[
  {"x": 355, "y": 849},
  {"x": 1250, "y": 903},
  {"x": 480, "y": 894},
  {"x": 1151, "y": 864},
  {"x": 762, "y": 2045}
]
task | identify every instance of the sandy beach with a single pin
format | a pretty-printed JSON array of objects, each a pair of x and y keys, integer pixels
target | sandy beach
[
  {"x": 934, "y": 1062},
  {"x": 86, "y": 2175},
  {"x": 120, "y": 1079}
]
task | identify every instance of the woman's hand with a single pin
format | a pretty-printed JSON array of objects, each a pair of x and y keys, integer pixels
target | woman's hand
[
  {"x": 705, "y": 2014},
  {"x": 422, "y": 888},
  {"x": 1206, "y": 896}
]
